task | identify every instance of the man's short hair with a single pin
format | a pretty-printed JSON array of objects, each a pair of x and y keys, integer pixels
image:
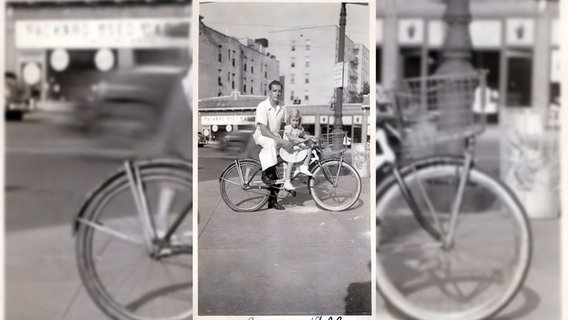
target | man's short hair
[{"x": 273, "y": 83}]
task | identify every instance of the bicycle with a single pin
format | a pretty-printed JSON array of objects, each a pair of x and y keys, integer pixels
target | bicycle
[
  {"x": 134, "y": 241},
  {"x": 453, "y": 242},
  {"x": 334, "y": 186}
]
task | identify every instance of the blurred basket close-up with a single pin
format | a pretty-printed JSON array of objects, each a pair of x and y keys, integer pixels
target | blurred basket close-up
[{"x": 436, "y": 111}]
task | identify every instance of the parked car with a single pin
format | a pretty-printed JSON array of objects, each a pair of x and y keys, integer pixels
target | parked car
[
  {"x": 201, "y": 139},
  {"x": 16, "y": 98}
]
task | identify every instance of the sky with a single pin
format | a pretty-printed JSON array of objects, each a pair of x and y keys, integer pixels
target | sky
[{"x": 256, "y": 20}]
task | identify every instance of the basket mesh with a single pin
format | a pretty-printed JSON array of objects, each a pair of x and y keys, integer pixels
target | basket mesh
[
  {"x": 436, "y": 110},
  {"x": 332, "y": 144}
]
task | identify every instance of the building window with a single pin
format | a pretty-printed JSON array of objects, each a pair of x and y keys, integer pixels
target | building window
[
  {"x": 291, "y": 95},
  {"x": 233, "y": 82},
  {"x": 293, "y": 45},
  {"x": 245, "y": 63},
  {"x": 307, "y": 62},
  {"x": 307, "y": 44},
  {"x": 292, "y": 62},
  {"x": 307, "y": 78},
  {"x": 291, "y": 79},
  {"x": 220, "y": 54},
  {"x": 245, "y": 88},
  {"x": 306, "y": 95},
  {"x": 219, "y": 93},
  {"x": 228, "y": 76},
  {"x": 234, "y": 58},
  {"x": 219, "y": 81}
]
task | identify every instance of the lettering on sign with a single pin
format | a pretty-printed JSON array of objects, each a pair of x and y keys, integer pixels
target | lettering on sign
[
  {"x": 227, "y": 119},
  {"x": 110, "y": 33}
]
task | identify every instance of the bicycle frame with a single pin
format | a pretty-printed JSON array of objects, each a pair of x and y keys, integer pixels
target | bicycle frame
[
  {"x": 387, "y": 159},
  {"x": 316, "y": 157}
]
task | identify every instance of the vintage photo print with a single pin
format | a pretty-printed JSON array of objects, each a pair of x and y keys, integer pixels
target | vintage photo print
[
  {"x": 284, "y": 142},
  {"x": 468, "y": 173},
  {"x": 98, "y": 174}
]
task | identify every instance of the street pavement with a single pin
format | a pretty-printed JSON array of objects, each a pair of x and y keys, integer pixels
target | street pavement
[{"x": 324, "y": 254}]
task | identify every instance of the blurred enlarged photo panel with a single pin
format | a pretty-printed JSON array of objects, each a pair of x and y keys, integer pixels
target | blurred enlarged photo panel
[
  {"x": 283, "y": 159},
  {"x": 98, "y": 184},
  {"x": 468, "y": 170}
]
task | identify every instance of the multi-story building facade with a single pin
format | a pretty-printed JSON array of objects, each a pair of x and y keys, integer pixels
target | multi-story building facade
[
  {"x": 227, "y": 65},
  {"x": 307, "y": 62}
]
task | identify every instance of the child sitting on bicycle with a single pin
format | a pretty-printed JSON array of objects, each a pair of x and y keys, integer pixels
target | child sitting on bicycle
[{"x": 298, "y": 151}]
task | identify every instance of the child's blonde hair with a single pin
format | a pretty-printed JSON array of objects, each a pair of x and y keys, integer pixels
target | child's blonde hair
[{"x": 295, "y": 114}]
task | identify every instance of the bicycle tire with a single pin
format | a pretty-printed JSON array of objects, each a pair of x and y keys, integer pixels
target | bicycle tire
[
  {"x": 337, "y": 196},
  {"x": 417, "y": 276},
  {"x": 239, "y": 197},
  {"x": 119, "y": 276}
]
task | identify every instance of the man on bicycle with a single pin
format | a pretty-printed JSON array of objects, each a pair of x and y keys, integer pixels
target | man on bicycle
[{"x": 270, "y": 115}]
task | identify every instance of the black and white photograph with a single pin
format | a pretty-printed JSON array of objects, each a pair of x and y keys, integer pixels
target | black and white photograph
[
  {"x": 468, "y": 161},
  {"x": 98, "y": 150},
  {"x": 284, "y": 173}
]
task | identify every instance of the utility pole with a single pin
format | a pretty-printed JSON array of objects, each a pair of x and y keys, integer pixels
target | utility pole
[{"x": 338, "y": 109}]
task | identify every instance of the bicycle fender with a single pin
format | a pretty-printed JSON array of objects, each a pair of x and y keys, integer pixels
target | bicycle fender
[
  {"x": 418, "y": 164},
  {"x": 233, "y": 164}
]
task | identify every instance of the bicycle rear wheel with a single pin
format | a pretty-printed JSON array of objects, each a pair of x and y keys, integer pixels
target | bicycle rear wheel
[
  {"x": 125, "y": 279},
  {"x": 473, "y": 279},
  {"x": 339, "y": 190},
  {"x": 248, "y": 194}
]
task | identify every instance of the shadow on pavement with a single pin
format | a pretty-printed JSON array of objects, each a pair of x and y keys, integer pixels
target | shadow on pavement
[
  {"x": 531, "y": 300},
  {"x": 358, "y": 299}
]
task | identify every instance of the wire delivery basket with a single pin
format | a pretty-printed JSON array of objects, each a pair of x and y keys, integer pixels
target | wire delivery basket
[
  {"x": 333, "y": 144},
  {"x": 437, "y": 110}
]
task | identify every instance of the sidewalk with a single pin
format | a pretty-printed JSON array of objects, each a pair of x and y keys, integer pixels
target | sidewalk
[{"x": 302, "y": 260}]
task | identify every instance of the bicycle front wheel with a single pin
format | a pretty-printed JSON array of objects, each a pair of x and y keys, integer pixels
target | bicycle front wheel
[
  {"x": 335, "y": 185},
  {"x": 125, "y": 278},
  {"x": 241, "y": 186},
  {"x": 482, "y": 269}
]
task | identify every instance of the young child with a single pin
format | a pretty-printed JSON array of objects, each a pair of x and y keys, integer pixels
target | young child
[{"x": 295, "y": 132}]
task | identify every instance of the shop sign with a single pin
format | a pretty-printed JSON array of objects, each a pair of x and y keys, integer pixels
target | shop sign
[
  {"x": 346, "y": 120},
  {"x": 520, "y": 32},
  {"x": 338, "y": 72},
  {"x": 555, "y": 66},
  {"x": 483, "y": 33},
  {"x": 227, "y": 119},
  {"x": 323, "y": 119},
  {"x": 410, "y": 31},
  {"x": 309, "y": 119},
  {"x": 103, "y": 33},
  {"x": 379, "y": 33},
  {"x": 555, "y": 37}
]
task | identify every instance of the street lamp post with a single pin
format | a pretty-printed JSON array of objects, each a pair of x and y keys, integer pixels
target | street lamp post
[
  {"x": 338, "y": 108},
  {"x": 456, "y": 55}
]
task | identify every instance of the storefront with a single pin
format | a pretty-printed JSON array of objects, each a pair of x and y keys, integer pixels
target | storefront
[
  {"x": 220, "y": 115},
  {"x": 516, "y": 41},
  {"x": 63, "y": 49}
]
